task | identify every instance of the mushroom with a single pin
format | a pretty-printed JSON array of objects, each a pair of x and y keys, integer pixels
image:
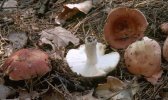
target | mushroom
[
  {"x": 144, "y": 58},
  {"x": 164, "y": 27},
  {"x": 89, "y": 59},
  {"x": 26, "y": 64},
  {"x": 165, "y": 49},
  {"x": 124, "y": 26}
]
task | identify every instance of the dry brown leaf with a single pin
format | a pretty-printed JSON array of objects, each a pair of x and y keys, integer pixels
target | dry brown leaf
[
  {"x": 10, "y": 4},
  {"x": 88, "y": 96},
  {"x": 58, "y": 37},
  {"x": 24, "y": 95},
  {"x": 114, "y": 89},
  {"x": 164, "y": 93},
  {"x": 53, "y": 95},
  {"x": 72, "y": 9},
  {"x": 19, "y": 39}
]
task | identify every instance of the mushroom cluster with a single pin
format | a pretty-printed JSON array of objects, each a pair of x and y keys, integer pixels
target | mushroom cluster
[
  {"x": 26, "y": 64},
  {"x": 124, "y": 26},
  {"x": 89, "y": 59},
  {"x": 144, "y": 58}
]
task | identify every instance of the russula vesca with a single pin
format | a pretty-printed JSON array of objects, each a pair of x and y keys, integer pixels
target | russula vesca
[
  {"x": 89, "y": 59},
  {"x": 165, "y": 49},
  {"x": 144, "y": 58},
  {"x": 164, "y": 27},
  {"x": 124, "y": 26},
  {"x": 26, "y": 64}
]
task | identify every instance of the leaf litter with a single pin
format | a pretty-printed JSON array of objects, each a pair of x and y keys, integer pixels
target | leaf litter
[{"x": 155, "y": 11}]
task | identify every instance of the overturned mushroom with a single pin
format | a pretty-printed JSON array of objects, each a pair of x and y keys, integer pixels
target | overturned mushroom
[
  {"x": 124, "y": 26},
  {"x": 26, "y": 64},
  {"x": 89, "y": 59},
  {"x": 144, "y": 58}
]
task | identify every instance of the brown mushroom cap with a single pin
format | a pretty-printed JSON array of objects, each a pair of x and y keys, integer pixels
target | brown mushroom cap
[
  {"x": 165, "y": 49},
  {"x": 124, "y": 26},
  {"x": 144, "y": 58},
  {"x": 164, "y": 27},
  {"x": 26, "y": 64}
]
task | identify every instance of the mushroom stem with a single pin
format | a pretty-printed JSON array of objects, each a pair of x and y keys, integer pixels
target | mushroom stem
[{"x": 90, "y": 49}]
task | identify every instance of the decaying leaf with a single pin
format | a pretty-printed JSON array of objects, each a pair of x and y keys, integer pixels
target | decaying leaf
[
  {"x": 5, "y": 91},
  {"x": 8, "y": 50},
  {"x": 88, "y": 96},
  {"x": 57, "y": 38},
  {"x": 164, "y": 93},
  {"x": 10, "y": 4},
  {"x": 19, "y": 39},
  {"x": 53, "y": 95},
  {"x": 24, "y": 95},
  {"x": 114, "y": 89},
  {"x": 97, "y": 2},
  {"x": 72, "y": 9}
]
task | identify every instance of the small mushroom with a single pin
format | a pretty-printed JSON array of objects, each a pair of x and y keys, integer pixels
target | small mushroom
[
  {"x": 164, "y": 27},
  {"x": 124, "y": 26},
  {"x": 89, "y": 59},
  {"x": 26, "y": 64},
  {"x": 165, "y": 49},
  {"x": 144, "y": 58}
]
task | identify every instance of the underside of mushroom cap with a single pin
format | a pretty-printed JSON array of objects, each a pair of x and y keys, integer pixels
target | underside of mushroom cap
[
  {"x": 124, "y": 26},
  {"x": 77, "y": 61}
]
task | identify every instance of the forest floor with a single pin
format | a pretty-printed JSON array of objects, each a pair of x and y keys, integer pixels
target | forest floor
[{"x": 33, "y": 16}]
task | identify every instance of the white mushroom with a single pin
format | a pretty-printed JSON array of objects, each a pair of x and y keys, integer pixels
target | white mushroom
[{"x": 89, "y": 59}]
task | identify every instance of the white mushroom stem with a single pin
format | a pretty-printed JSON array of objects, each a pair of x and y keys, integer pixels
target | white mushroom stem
[
  {"x": 90, "y": 49},
  {"x": 89, "y": 59}
]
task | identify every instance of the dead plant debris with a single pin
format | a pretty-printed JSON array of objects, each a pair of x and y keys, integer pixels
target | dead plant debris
[{"x": 38, "y": 16}]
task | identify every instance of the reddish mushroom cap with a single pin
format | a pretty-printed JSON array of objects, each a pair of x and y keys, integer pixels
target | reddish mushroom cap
[
  {"x": 26, "y": 64},
  {"x": 124, "y": 26},
  {"x": 164, "y": 27},
  {"x": 144, "y": 58},
  {"x": 165, "y": 49}
]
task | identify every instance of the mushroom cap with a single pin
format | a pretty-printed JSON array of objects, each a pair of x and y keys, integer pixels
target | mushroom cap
[
  {"x": 26, "y": 64},
  {"x": 165, "y": 49},
  {"x": 164, "y": 27},
  {"x": 144, "y": 58},
  {"x": 77, "y": 61},
  {"x": 124, "y": 26}
]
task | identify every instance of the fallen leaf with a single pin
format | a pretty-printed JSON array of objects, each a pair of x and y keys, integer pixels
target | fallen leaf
[
  {"x": 88, "y": 96},
  {"x": 53, "y": 95},
  {"x": 57, "y": 38},
  {"x": 5, "y": 91},
  {"x": 8, "y": 50},
  {"x": 164, "y": 93},
  {"x": 114, "y": 89},
  {"x": 19, "y": 40},
  {"x": 97, "y": 2},
  {"x": 10, "y": 5},
  {"x": 24, "y": 95},
  {"x": 72, "y": 9}
]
